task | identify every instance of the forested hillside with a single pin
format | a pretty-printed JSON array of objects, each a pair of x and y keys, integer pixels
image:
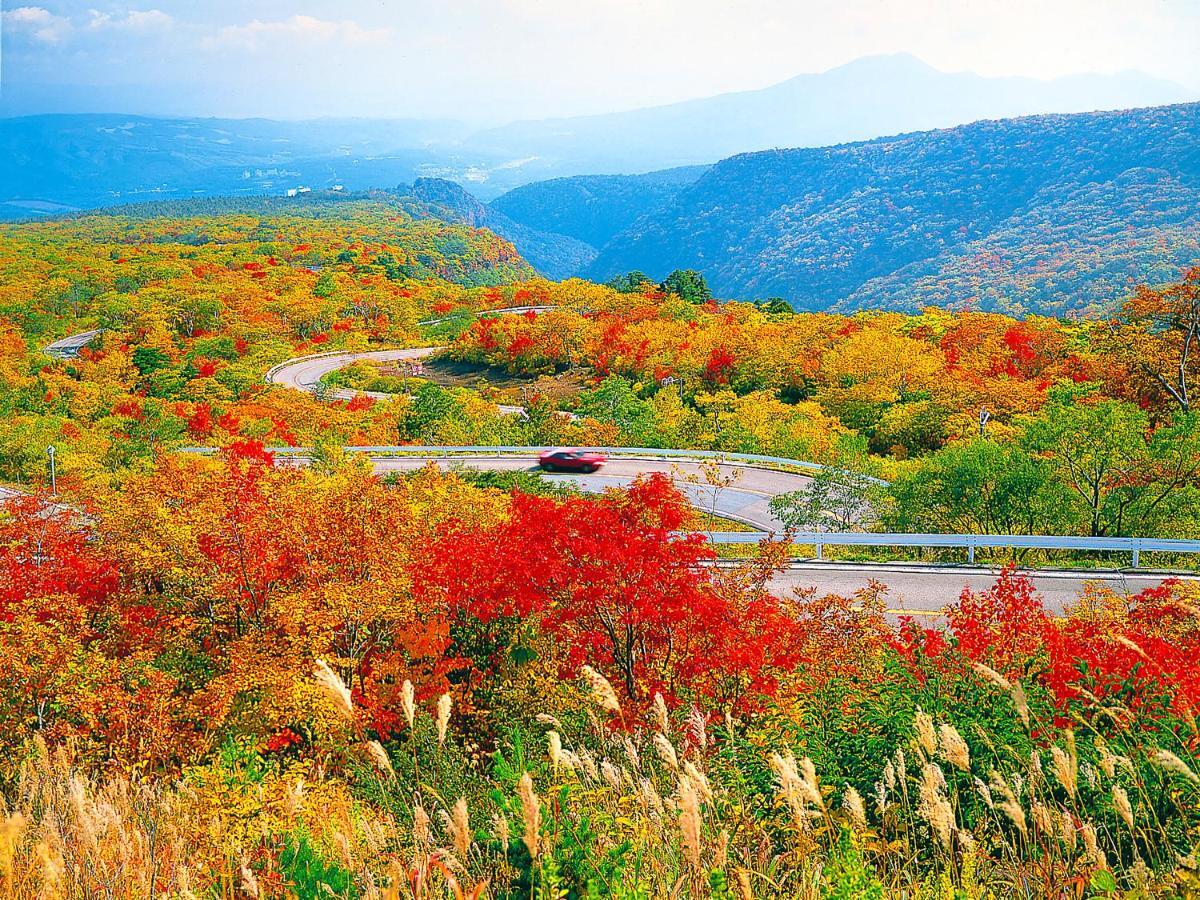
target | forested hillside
[
  {"x": 553, "y": 255},
  {"x": 1048, "y": 213},
  {"x": 225, "y": 676},
  {"x": 593, "y": 208}
]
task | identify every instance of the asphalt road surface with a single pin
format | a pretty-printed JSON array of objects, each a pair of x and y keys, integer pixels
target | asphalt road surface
[
  {"x": 922, "y": 590},
  {"x": 745, "y": 500},
  {"x": 915, "y": 589},
  {"x": 68, "y": 347},
  {"x": 918, "y": 590}
]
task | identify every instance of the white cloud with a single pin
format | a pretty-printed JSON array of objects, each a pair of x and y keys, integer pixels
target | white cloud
[
  {"x": 131, "y": 20},
  {"x": 254, "y": 34},
  {"x": 37, "y": 23}
]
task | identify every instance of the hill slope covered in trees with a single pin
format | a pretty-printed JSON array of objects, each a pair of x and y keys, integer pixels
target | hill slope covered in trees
[
  {"x": 593, "y": 208},
  {"x": 1050, "y": 213}
]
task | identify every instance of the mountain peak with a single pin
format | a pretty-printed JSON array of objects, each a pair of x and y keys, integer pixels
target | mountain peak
[
  {"x": 885, "y": 64},
  {"x": 453, "y": 197}
]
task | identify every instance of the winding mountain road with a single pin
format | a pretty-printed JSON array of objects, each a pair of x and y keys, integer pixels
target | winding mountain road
[
  {"x": 913, "y": 589},
  {"x": 305, "y": 372},
  {"x": 745, "y": 496},
  {"x": 69, "y": 347},
  {"x": 745, "y": 500}
]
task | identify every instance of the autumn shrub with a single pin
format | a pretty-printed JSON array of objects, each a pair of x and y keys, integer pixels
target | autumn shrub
[{"x": 234, "y": 676}]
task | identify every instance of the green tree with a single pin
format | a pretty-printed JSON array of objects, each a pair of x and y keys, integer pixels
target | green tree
[
  {"x": 193, "y": 314},
  {"x": 775, "y": 306},
  {"x": 688, "y": 284},
  {"x": 325, "y": 287},
  {"x": 431, "y": 405},
  {"x": 615, "y": 400},
  {"x": 634, "y": 282},
  {"x": 836, "y": 499},
  {"x": 1100, "y": 451},
  {"x": 150, "y": 359},
  {"x": 980, "y": 487}
]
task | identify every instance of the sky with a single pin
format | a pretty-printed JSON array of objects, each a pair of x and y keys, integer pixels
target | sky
[{"x": 486, "y": 61}]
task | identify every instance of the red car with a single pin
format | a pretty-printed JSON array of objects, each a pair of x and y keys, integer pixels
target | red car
[{"x": 571, "y": 460}]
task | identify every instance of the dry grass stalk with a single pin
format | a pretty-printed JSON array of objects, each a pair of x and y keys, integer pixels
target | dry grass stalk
[
  {"x": 666, "y": 750},
  {"x": 699, "y": 779},
  {"x": 1169, "y": 762},
  {"x": 798, "y": 786},
  {"x": 935, "y": 807},
  {"x": 689, "y": 820},
  {"x": 631, "y": 754},
  {"x": 603, "y": 694},
  {"x": 1091, "y": 845},
  {"x": 1066, "y": 770},
  {"x": 460, "y": 830},
  {"x": 697, "y": 728},
  {"x": 408, "y": 702},
  {"x": 660, "y": 713},
  {"x": 925, "y": 733},
  {"x": 954, "y": 749},
  {"x": 531, "y": 812},
  {"x": 500, "y": 826},
  {"x": 1007, "y": 803},
  {"x": 334, "y": 688},
  {"x": 443, "y": 717},
  {"x": 611, "y": 775},
  {"x": 1020, "y": 702},
  {"x": 1122, "y": 805},
  {"x": 856, "y": 811},
  {"x": 422, "y": 827},
  {"x": 558, "y": 759},
  {"x": 380, "y": 758},
  {"x": 992, "y": 676}
]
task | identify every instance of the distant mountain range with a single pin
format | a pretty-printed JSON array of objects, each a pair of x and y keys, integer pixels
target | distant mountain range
[
  {"x": 1044, "y": 214},
  {"x": 1057, "y": 214},
  {"x": 89, "y": 160},
  {"x": 867, "y": 98}
]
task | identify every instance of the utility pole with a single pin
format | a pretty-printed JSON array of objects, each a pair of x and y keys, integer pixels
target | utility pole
[{"x": 53, "y": 471}]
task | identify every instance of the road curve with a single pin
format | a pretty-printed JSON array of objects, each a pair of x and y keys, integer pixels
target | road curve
[
  {"x": 69, "y": 347},
  {"x": 304, "y": 373},
  {"x": 913, "y": 589},
  {"x": 745, "y": 500}
]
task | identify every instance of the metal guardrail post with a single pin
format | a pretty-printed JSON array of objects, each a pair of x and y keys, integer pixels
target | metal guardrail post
[
  {"x": 820, "y": 549},
  {"x": 1137, "y": 552},
  {"x": 971, "y": 549}
]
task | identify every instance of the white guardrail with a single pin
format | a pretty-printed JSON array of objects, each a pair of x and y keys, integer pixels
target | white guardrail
[
  {"x": 452, "y": 451},
  {"x": 1134, "y": 546},
  {"x": 469, "y": 450}
]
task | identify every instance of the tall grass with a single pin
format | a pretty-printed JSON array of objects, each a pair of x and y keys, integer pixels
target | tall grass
[{"x": 689, "y": 805}]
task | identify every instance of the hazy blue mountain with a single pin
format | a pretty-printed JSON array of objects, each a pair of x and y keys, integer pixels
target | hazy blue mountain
[
  {"x": 1053, "y": 213},
  {"x": 593, "y": 208},
  {"x": 90, "y": 160},
  {"x": 93, "y": 160},
  {"x": 863, "y": 99}
]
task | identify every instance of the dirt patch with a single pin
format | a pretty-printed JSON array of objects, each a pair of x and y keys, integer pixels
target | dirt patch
[{"x": 496, "y": 384}]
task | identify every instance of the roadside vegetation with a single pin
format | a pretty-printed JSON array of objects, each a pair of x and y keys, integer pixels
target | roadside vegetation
[
  {"x": 225, "y": 676},
  {"x": 1087, "y": 427},
  {"x": 237, "y": 679}
]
